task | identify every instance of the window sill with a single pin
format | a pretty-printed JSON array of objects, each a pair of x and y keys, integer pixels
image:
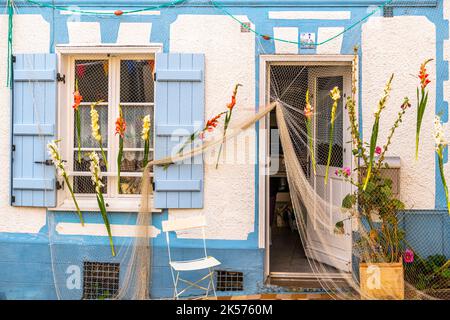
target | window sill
[{"x": 113, "y": 205}]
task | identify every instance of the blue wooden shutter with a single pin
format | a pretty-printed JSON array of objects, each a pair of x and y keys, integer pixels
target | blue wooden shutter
[
  {"x": 179, "y": 111},
  {"x": 34, "y": 117}
]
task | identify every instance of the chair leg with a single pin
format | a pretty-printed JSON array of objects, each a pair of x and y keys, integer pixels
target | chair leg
[
  {"x": 211, "y": 274},
  {"x": 175, "y": 290}
]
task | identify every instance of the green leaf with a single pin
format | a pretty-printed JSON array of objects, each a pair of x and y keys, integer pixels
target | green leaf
[{"x": 349, "y": 201}]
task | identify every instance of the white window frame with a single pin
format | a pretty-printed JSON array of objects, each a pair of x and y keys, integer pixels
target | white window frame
[{"x": 67, "y": 56}]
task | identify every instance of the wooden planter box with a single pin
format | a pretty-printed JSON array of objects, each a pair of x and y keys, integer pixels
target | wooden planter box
[{"x": 383, "y": 281}]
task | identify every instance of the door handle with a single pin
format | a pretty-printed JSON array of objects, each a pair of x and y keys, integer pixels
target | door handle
[{"x": 46, "y": 162}]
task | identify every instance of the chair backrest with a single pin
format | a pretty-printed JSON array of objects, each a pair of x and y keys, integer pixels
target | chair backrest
[{"x": 184, "y": 224}]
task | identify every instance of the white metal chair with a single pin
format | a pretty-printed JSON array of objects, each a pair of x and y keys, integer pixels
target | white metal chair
[{"x": 206, "y": 262}]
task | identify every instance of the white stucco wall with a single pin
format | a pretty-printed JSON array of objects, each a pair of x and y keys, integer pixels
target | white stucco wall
[
  {"x": 447, "y": 82},
  {"x": 31, "y": 35},
  {"x": 399, "y": 45},
  {"x": 229, "y": 196}
]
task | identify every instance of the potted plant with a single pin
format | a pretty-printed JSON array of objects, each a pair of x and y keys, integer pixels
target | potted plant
[{"x": 373, "y": 207}]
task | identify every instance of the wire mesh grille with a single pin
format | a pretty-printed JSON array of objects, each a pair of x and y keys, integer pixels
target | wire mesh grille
[
  {"x": 229, "y": 280},
  {"x": 100, "y": 280}
]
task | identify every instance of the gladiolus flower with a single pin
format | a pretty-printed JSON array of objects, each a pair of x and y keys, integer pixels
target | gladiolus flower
[
  {"x": 77, "y": 97},
  {"x": 94, "y": 124},
  {"x": 233, "y": 97},
  {"x": 408, "y": 256},
  {"x": 146, "y": 128},
  {"x": 96, "y": 176},
  {"x": 423, "y": 75},
  {"x": 335, "y": 94},
  {"x": 118, "y": 12},
  {"x": 406, "y": 104},
  {"x": 121, "y": 126},
  {"x": 58, "y": 162},
  {"x": 378, "y": 150},
  {"x": 213, "y": 122},
  {"x": 438, "y": 133},
  {"x": 344, "y": 172}
]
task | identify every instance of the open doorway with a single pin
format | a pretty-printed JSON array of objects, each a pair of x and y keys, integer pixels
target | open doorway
[{"x": 286, "y": 255}]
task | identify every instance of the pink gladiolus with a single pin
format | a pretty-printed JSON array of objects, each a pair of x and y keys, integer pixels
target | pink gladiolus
[
  {"x": 408, "y": 256},
  {"x": 347, "y": 172},
  {"x": 378, "y": 150}
]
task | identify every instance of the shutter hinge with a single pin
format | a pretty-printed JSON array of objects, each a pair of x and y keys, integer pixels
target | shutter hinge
[
  {"x": 13, "y": 147},
  {"x": 13, "y": 58},
  {"x": 60, "y": 77},
  {"x": 13, "y": 199},
  {"x": 154, "y": 76}
]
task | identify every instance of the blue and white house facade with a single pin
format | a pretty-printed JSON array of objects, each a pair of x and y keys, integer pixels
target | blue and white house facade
[{"x": 199, "y": 53}]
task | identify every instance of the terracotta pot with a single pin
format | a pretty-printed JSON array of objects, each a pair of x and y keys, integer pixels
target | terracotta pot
[{"x": 383, "y": 281}]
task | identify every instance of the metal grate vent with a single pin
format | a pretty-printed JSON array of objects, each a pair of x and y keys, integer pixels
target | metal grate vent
[
  {"x": 100, "y": 280},
  {"x": 229, "y": 280},
  {"x": 388, "y": 11}
]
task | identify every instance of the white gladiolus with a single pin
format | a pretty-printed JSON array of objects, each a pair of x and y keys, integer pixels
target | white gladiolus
[
  {"x": 96, "y": 172},
  {"x": 438, "y": 134},
  {"x": 53, "y": 151}
]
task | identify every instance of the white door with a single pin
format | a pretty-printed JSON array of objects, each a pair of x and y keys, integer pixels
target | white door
[{"x": 324, "y": 243}]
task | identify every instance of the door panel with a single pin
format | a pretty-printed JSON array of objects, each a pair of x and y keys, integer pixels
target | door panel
[{"x": 323, "y": 243}]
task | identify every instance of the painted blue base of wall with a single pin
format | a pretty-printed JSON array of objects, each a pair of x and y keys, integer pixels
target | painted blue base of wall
[{"x": 28, "y": 272}]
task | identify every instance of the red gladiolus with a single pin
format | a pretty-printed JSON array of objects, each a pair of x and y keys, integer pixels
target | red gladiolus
[
  {"x": 118, "y": 12},
  {"x": 423, "y": 75},
  {"x": 121, "y": 126},
  {"x": 77, "y": 99},
  {"x": 213, "y": 122}
]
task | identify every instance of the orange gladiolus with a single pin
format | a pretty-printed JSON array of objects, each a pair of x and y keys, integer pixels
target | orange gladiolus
[
  {"x": 77, "y": 98},
  {"x": 423, "y": 75},
  {"x": 121, "y": 126}
]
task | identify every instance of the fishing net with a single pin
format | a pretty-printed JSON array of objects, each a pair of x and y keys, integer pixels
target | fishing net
[{"x": 342, "y": 232}]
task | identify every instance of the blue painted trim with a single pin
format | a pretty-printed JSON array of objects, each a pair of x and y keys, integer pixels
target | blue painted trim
[{"x": 236, "y": 3}]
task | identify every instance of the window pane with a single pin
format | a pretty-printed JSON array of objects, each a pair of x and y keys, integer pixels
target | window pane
[
  {"x": 133, "y": 116},
  {"x": 87, "y": 140},
  {"x": 92, "y": 77},
  {"x": 324, "y": 104},
  {"x": 136, "y": 81},
  {"x": 83, "y": 184},
  {"x": 130, "y": 185},
  {"x": 132, "y": 161}
]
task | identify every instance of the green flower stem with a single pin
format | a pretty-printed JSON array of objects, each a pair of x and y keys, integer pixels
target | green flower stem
[
  {"x": 102, "y": 207},
  {"x": 373, "y": 145},
  {"x": 146, "y": 152},
  {"x": 440, "y": 152},
  {"x": 420, "y": 112},
  {"x": 119, "y": 162},
  {"x": 103, "y": 154},
  {"x": 311, "y": 144},
  {"x": 66, "y": 179},
  {"x": 225, "y": 128},
  {"x": 331, "y": 138},
  {"x": 78, "y": 126}
]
